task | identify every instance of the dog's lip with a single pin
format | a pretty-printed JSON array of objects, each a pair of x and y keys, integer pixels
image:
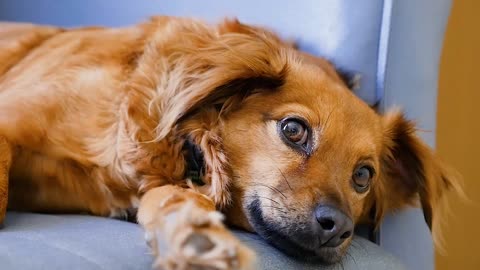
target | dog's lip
[
  {"x": 320, "y": 254},
  {"x": 296, "y": 248},
  {"x": 312, "y": 253}
]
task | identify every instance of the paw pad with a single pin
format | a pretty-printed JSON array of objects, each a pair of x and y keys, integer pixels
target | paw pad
[{"x": 199, "y": 243}]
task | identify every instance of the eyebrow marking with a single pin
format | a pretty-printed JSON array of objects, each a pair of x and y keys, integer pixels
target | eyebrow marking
[
  {"x": 366, "y": 158},
  {"x": 267, "y": 116},
  {"x": 317, "y": 132}
]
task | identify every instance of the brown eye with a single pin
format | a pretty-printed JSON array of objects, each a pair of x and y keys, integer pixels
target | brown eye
[
  {"x": 361, "y": 178},
  {"x": 295, "y": 131},
  {"x": 296, "y": 134}
]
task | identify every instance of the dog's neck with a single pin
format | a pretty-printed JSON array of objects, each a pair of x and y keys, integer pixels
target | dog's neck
[{"x": 195, "y": 163}]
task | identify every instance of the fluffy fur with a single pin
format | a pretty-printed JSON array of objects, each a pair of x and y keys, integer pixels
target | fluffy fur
[{"x": 94, "y": 120}]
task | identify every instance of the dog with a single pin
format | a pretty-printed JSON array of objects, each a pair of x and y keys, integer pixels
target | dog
[{"x": 183, "y": 124}]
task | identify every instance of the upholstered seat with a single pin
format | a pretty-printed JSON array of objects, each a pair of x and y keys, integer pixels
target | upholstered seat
[
  {"x": 395, "y": 47},
  {"x": 59, "y": 242}
]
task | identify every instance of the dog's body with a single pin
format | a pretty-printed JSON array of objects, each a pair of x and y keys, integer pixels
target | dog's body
[{"x": 95, "y": 120}]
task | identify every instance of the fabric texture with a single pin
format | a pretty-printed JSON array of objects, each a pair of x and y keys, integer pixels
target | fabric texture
[{"x": 58, "y": 242}]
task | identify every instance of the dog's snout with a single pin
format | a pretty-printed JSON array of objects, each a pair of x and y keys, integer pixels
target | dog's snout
[{"x": 334, "y": 225}]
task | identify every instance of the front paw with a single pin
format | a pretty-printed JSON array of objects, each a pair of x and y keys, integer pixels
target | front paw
[{"x": 194, "y": 239}]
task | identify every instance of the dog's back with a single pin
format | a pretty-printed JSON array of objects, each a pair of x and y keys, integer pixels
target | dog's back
[
  {"x": 58, "y": 88},
  {"x": 17, "y": 40}
]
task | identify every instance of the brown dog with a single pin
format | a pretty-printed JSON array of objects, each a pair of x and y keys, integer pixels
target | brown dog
[{"x": 179, "y": 118}]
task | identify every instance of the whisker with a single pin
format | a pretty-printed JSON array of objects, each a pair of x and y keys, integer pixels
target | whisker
[
  {"x": 283, "y": 175},
  {"x": 283, "y": 209},
  {"x": 270, "y": 187},
  {"x": 254, "y": 196},
  {"x": 328, "y": 118},
  {"x": 352, "y": 258},
  {"x": 340, "y": 265},
  {"x": 355, "y": 244},
  {"x": 275, "y": 207},
  {"x": 285, "y": 178}
]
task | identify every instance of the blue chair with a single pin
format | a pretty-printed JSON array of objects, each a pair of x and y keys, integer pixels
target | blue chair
[{"x": 394, "y": 45}]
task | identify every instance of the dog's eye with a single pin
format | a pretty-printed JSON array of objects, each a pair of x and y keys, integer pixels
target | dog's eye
[
  {"x": 295, "y": 133},
  {"x": 361, "y": 178}
]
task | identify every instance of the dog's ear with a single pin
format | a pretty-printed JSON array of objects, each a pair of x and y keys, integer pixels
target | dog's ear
[
  {"x": 208, "y": 75},
  {"x": 411, "y": 170},
  {"x": 351, "y": 79},
  {"x": 215, "y": 68}
]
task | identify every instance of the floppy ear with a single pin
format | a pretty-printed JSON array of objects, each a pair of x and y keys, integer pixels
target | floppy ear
[
  {"x": 208, "y": 73},
  {"x": 411, "y": 170},
  {"x": 212, "y": 68}
]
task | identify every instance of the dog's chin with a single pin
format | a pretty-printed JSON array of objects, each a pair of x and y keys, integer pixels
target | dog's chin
[
  {"x": 291, "y": 247},
  {"x": 295, "y": 245},
  {"x": 324, "y": 255}
]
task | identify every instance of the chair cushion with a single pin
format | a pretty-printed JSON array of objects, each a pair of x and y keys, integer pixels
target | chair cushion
[{"x": 40, "y": 241}]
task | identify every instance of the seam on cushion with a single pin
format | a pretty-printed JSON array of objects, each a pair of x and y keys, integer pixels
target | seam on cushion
[
  {"x": 63, "y": 249},
  {"x": 382, "y": 53}
]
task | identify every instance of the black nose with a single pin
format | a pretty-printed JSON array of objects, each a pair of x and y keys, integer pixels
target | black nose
[{"x": 334, "y": 227}]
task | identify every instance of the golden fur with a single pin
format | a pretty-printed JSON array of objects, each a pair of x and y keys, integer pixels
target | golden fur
[{"x": 94, "y": 120}]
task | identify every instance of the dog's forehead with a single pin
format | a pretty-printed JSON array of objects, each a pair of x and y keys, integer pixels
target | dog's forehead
[
  {"x": 324, "y": 97},
  {"x": 331, "y": 108}
]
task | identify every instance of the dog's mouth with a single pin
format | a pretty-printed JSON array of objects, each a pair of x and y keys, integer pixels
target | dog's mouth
[{"x": 298, "y": 245}]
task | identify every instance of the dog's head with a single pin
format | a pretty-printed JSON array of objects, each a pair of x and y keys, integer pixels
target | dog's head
[{"x": 291, "y": 152}]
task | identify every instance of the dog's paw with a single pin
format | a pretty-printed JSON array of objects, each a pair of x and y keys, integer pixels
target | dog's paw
[
  {"x": 204, "y": 250},
  {"x": 194, "y": 239}
]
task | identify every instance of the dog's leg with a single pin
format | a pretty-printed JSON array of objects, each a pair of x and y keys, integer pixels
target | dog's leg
[
  {"x": 185, "y": 232},
  {"x": 5, "y": 162}
]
